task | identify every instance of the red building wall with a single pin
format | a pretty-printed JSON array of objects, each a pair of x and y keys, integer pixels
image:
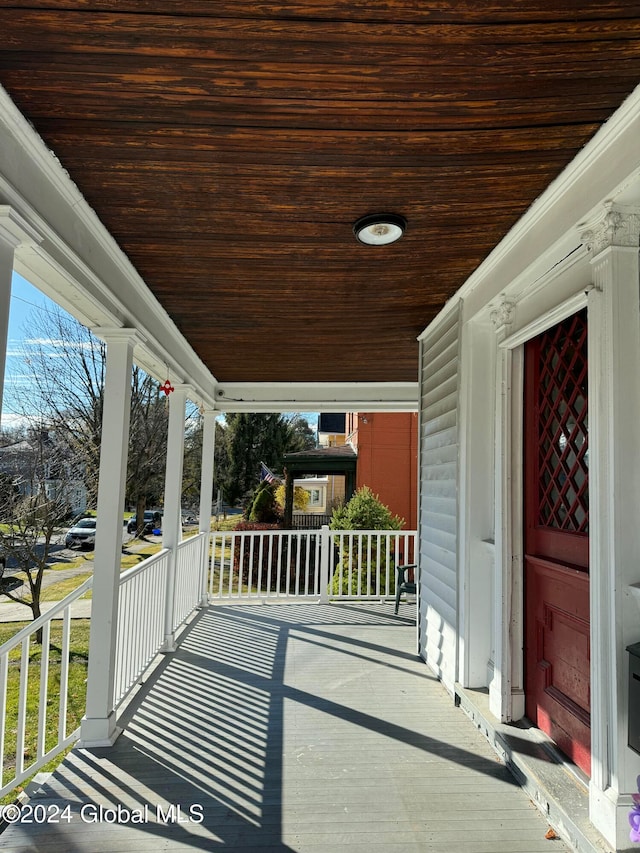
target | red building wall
[{"x": 387, "y": 447}]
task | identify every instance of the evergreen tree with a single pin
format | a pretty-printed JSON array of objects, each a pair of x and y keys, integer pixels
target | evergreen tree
[{"x": 250, "y": 439}]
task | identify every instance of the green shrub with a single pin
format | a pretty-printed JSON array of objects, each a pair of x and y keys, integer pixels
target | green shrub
[
  {"x": 264, "y": 508},
  {"x": 364, "y": 511}
]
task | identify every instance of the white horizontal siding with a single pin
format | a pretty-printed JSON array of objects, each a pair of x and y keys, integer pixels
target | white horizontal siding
[{"x": 438, "y": 521}]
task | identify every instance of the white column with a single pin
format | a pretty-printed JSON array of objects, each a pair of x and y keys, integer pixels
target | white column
[
  {"x": 476, "y": 502},
  {"x": 99, "y": 723},
  {"x": 614, "y": 497},
  {"x": 500, "y": 686},
  {"x": 206, "y": 490},
  {"x": 172, "y": 517},
  {"x": 14, "y": 232}
]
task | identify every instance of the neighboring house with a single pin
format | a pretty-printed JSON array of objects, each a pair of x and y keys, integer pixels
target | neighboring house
[
  {"x": 333, "y": 465},
  {"x": 332, "y": 429},
  {"x": 40, "y": 462},
  {"x": 318, "y": 509},
  {"x": 317, "y": 489},
  {"x": 387, "y": 448}
]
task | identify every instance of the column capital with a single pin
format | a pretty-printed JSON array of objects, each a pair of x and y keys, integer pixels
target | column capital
[
  {"x": 115, "y": 334},
  {"x": 15, "y": 230},
  {"x": 614, "y": 225},
  {"x": 503, "y": 314}
]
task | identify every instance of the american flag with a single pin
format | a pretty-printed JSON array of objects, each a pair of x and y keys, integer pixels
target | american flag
[{"x": 266, "y": 474}]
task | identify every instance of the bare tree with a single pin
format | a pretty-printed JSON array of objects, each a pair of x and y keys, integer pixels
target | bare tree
[
  {"x": 147, "y": 445},
  {"x": 64, "y": 386},
  {"x": 31, "y": 511}
]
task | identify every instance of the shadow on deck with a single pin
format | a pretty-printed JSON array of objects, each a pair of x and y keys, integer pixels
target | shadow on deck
[{"x": 288, "y": 727}]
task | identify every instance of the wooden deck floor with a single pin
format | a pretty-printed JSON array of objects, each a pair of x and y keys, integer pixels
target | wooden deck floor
[{"x": 290, "y": 728}]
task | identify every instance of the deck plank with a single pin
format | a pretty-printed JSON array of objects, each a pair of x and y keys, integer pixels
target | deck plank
[{"x": 291, "y": 728}]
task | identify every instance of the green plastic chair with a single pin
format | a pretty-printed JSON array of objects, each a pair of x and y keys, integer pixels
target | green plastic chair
[{"x": 402, "y": 584}]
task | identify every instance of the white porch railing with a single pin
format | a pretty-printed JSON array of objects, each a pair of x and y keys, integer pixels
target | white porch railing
[
  {"x": 189, "y": 580},
  {"x": 140, "y": 620},
  {"x": 320, "y": 564},
  {"x": 314, "y": 564},
  {"x": 53, "y": 693},
  {"x": 140, "y": 635},
  {"x": 265, "y": 563}
]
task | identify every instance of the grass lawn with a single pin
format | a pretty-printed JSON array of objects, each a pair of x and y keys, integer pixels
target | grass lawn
[
  {"x": 60, "y": 590},
  {"x": 224, "y": 524},
  {"x": 76, "y": 692}
]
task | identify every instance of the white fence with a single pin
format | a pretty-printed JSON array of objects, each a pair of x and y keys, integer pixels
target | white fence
[
  {"x": 141, "y": 619},
  {"x": 35, "y": 661},
  {"x": 314, "y": 564},
  {"x": 140, "y": 635},
  {"x": 190, "y": 582}
]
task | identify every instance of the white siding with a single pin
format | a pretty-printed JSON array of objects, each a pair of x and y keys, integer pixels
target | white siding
[{"x": 438, "y": 519}]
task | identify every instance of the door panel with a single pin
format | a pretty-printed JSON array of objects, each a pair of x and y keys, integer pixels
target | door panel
[{"x": 557, "y": 654}]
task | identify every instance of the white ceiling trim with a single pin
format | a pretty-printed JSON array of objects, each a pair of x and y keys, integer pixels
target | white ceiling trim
[{"x": 317, "y": 397}]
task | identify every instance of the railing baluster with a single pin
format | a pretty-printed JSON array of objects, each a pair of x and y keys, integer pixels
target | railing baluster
[
  {"x": 22, "y": 704},
  {"x": 252, "y": 544},
  {"x": 44, "y": 684},
  {"x": 298, "y": 540},
  {"x": 307, "y": 552},
  {"x": 260, "y": 559},
  {"x": 279, "y": 566},
  {"x": 65, "y": 645},
  {"x": 4, "y": 670}
]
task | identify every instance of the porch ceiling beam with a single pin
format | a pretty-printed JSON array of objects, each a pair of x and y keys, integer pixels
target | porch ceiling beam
[{"x": 317, "y": 397}]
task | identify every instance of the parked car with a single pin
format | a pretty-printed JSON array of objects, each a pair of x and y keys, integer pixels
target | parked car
[
  {"x": 82, "y": 534},
  {"x": 152, "y": 521}
]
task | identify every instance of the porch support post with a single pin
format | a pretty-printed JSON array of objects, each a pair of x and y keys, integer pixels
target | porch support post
[
  {"x": 98, "y": 726},
  {"x": 614, "y": 497},
  {"x": 325, "y": 546},
  {"x": 288, "y": 499},
  {"x": 500, "y": 686},
  {"x": 172, "y": 518},
  {"x": 206, "y": 492},
  {"x": 14, "y": 232}
]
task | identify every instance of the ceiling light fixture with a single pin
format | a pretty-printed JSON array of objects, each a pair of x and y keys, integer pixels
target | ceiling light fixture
[{"x": 379, "y": 229}]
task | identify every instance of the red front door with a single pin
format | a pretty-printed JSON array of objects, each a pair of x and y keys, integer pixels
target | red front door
[{"x": 557, "y": 537}]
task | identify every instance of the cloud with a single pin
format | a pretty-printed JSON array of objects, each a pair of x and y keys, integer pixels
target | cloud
[
  {"x": 58, "y": 343},
  {"x": 10, "y": 420}
]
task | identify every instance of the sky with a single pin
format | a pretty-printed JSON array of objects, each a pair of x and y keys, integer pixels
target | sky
[{"x": 24, "y": 298}]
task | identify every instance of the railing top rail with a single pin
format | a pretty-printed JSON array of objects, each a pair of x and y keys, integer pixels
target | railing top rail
[
  {"x": 191, "y": 539},
  {"x": 45, "y": 617},
  {"x": 143, "y": 566},
  {"x": 314, "y": 530},
  {"x": 292, "y": 531},
  {"x": 373, "y": 532}
]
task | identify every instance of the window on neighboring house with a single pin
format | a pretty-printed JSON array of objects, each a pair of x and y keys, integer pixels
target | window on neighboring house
[{"x": 314, "y": 500}]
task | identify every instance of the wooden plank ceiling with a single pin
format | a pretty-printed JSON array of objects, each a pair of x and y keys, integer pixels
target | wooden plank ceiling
[{"x": 229, "y": 146}]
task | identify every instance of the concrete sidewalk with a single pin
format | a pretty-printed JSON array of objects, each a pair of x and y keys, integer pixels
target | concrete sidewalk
[{"x": 12, "y": 612}]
